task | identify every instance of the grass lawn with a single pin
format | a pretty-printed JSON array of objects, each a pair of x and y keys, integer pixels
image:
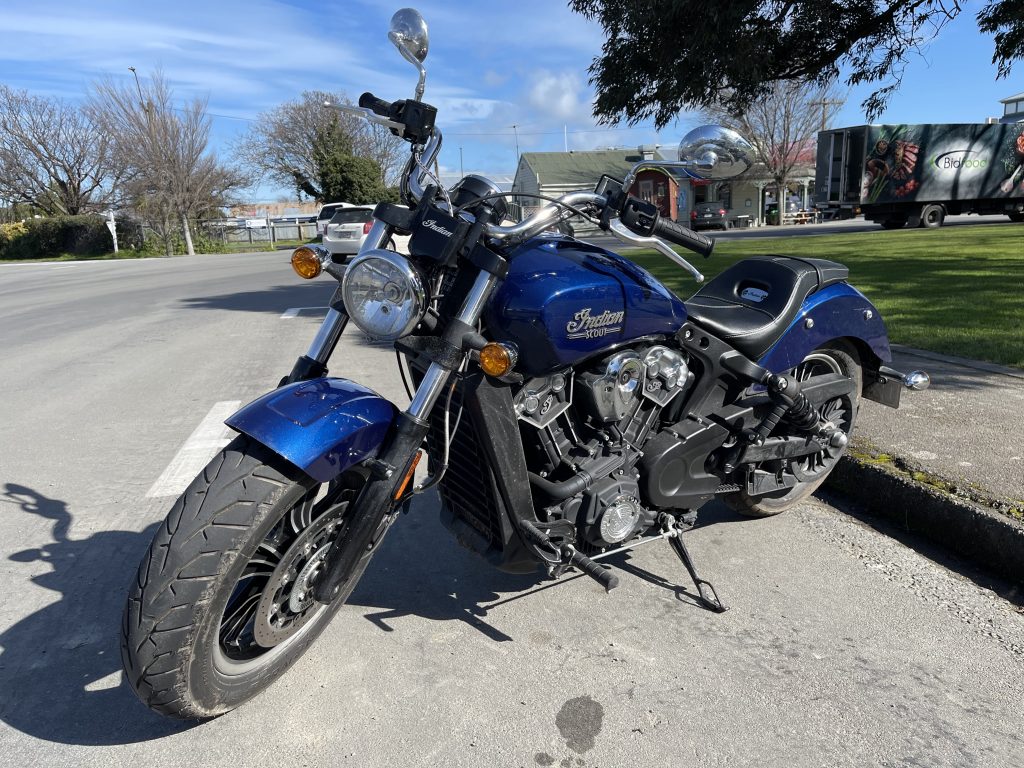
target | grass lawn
[{"x": 958, "y": 290}]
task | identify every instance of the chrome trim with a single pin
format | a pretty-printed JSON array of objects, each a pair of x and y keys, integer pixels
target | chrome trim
[
  {"x": 412, "y": 280},
  {"x": 917, "y": 381},
  {"x": 619, "y": 230},
  {"x": 651, "y": 165},
  {"x": 327, "y": 336},
  {"x": 543, "y": 218},
  {"x": 413, "y": 183},
  {"x": 330, "y": 330},
  {"x": 436, "y": 376}
]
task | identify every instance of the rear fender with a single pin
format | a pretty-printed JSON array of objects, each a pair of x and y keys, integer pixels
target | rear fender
[
  {"x": 838, "y": 311},
  {"x": 323, "y": 426}
]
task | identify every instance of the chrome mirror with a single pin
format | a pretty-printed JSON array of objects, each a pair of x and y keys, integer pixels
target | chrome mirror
[
  {"x": 715, "y": 152},
  {"x": 409, "y": 35}
]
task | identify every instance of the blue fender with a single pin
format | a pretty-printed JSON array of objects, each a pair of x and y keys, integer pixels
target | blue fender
[
  {"x": 837, "y": 311},
  {"x": 323, "y": 426}
]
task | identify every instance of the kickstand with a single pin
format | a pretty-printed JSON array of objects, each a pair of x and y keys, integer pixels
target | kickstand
[{"x": 705, "y": 589}]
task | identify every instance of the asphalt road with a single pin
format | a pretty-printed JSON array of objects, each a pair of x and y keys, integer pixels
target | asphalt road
[{"x": 843, "y": 646}]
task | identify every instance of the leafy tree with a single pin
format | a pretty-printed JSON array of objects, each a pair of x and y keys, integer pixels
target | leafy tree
[
  {"x": 282, "y": 144},
  {"x": 341, "y": 175},
  {"x": 781, "y": 126},
  {"x": 661, "y": 56}
]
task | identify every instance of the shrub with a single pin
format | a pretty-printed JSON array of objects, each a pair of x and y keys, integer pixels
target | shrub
[{"x": 77, "y": 235}]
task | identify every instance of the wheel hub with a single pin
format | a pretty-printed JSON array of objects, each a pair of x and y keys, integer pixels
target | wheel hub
[{"x": 287, "y": 603}]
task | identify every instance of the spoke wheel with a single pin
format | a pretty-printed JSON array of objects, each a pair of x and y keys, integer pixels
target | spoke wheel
[{"x": 810, "y": 471}]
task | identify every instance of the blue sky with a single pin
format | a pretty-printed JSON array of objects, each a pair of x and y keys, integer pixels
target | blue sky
[{"x": 491, "y": 66}]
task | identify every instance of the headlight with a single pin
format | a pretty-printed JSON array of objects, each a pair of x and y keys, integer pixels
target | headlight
[{"x": 384, "y": 294}]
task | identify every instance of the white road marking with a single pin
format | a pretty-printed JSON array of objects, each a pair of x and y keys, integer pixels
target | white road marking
[
  {"x": 113, "y": 680},
  {"x": 209, "y": 437},
  {"x": 294, "y": 311}
]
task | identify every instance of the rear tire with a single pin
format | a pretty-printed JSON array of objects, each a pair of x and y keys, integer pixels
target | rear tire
[
  {"x": 216, "y": 613},
  {"x": 1017, "y": 217},
  {"x": 835, "y": 357},
  {"x": 932, "y": 216}
]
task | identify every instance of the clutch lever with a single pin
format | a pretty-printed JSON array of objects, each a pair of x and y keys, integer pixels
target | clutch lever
[
  {"x": 625, "y": 235},
  {"x": 369, "y": 115}
]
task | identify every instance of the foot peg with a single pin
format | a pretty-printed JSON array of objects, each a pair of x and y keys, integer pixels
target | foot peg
[
  {"x": 706, "y": 593},
  {"x": 569, "y": 556}
]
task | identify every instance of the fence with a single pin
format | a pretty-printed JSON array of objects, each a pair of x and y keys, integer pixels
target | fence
[{"x": 230, "y": 232}]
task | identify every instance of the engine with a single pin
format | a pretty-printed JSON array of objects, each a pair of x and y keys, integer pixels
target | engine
[{"x": 583, "y": 433}]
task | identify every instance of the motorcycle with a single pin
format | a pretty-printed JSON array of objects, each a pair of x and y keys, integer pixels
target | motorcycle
[{"x": 571, "y": 408}]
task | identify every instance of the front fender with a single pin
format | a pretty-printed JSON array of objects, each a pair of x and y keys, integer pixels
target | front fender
[
  {"x": 835, "y": 312},
  {"x": 323, "y": 426}
]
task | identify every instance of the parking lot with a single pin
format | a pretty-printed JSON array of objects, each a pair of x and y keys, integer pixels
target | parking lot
[{"x": 843, "y": 645}]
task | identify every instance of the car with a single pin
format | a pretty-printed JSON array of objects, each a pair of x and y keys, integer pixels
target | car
[
  {"x": 708, "y": 216},
  {"x": 327, "y": 210},
  {"x": 347, "y": 229}
]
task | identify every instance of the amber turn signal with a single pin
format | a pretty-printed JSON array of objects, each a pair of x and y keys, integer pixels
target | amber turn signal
[
  {"x": 306, "y": 263},
  {"x": 497, "y": 359},
  {"x": 408, "y": 475}
]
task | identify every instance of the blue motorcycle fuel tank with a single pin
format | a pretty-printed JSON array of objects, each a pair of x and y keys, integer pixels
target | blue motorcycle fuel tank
[{"x": 564, "y": 301}]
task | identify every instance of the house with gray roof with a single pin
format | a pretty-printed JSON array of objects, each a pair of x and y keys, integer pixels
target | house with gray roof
[{"x": 1013, "y": 109}]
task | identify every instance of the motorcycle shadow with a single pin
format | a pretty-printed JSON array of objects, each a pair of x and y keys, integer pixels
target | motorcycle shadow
[
  {"x": 60, "y": 666},
  {"x": 448, "y": 582}
]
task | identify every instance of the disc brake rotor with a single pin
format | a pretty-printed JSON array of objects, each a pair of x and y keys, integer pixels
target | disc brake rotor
[{"x": 287, "y": 603}]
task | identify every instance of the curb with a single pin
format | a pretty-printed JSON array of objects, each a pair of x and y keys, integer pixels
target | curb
[{"x": 985, "y": 537}]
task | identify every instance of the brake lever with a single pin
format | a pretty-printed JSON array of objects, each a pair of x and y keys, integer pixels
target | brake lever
[
  {"x": 627, "y": 236},
  {"x": 369, "y": 115}
]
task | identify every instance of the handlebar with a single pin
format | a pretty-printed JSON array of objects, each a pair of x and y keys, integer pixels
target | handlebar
[
  {"x": 544, "y": 218},
  {"x": 676, "y": 233},
  {"x": 375, "y": 105}
]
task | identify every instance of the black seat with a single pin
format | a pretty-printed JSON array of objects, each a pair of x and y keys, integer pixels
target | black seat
[{"x": 753, "y": 302}]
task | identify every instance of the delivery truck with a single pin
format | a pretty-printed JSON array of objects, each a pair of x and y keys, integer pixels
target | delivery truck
[{"x": 916, "y": 175}]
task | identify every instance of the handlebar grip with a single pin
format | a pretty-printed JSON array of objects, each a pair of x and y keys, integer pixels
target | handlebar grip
[
  {"x": 378, "y": 106},
  {"x": 683, "y": 236},
  {"x": 602, "y": 576}
]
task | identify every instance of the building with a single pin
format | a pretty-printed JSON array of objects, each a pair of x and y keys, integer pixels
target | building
[
  {"x": 674, "y": 191},
  {"x": 1013, "y": 109}
]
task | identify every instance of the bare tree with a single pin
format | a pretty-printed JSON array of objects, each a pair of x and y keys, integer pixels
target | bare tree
[
  {"x": 174, "y": 179},
  {"x": 282, "y": 144},
  {"x": 51, "y": 156},
  {"x": 782, "y": 126}
]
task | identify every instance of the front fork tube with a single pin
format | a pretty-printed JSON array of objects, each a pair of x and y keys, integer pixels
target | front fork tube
[
  {"x": 374, "y": 509},
  {"x": 313, "y": 364}
]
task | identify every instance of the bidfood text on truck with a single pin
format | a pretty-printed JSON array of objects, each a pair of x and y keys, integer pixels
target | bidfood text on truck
[{"x": 919, "y": 174}]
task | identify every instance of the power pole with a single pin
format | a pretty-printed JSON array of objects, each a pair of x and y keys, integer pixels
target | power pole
[
  {"x": 515, "y": 130},
  {"x": 825, "y": 104}
]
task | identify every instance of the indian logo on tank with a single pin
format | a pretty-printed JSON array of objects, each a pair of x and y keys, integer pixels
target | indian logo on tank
[{"x": 586, "y": 325}]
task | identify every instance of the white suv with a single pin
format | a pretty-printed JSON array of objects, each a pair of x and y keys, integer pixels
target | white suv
[
  {"x": 347, "y": 229},
  {"x": 325, "y": 214}
]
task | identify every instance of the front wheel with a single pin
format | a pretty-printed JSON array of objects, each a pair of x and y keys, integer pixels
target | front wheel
[
  {"x": 223, "y": 603},
  {"x": 810, "y": 471}
]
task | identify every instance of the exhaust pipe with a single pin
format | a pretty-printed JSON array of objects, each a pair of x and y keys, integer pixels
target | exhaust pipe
[{"x": 917, "y": 381}]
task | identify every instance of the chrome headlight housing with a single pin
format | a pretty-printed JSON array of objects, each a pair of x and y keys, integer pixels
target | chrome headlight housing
[{"x": 384, "y": 294}]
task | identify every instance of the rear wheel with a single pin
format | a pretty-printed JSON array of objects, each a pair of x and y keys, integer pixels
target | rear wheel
[
  {"x": 223, "y": 603},
  {"x": 932, "y": 216},
  {"x": 811, "y": 471},
  {"x": 1018, "y": 216}
]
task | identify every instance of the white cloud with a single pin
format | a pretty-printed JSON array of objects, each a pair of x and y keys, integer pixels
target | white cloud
[{"x": 558, "y": 95}]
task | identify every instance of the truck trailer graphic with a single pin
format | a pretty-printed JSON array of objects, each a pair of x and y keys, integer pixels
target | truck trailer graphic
[{"x": 918, "y": 174}]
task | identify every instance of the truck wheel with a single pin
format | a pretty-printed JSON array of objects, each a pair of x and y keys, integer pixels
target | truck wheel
[
  {"x": 1018, "y": 216},
  {"x": 932, "y": 216},
  {"x": 894, "y": 224}
]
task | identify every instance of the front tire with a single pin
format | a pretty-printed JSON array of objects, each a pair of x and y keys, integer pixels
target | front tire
[
  {"x": 222, "y": 603},
  {"x": 836, "y": 357}
]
